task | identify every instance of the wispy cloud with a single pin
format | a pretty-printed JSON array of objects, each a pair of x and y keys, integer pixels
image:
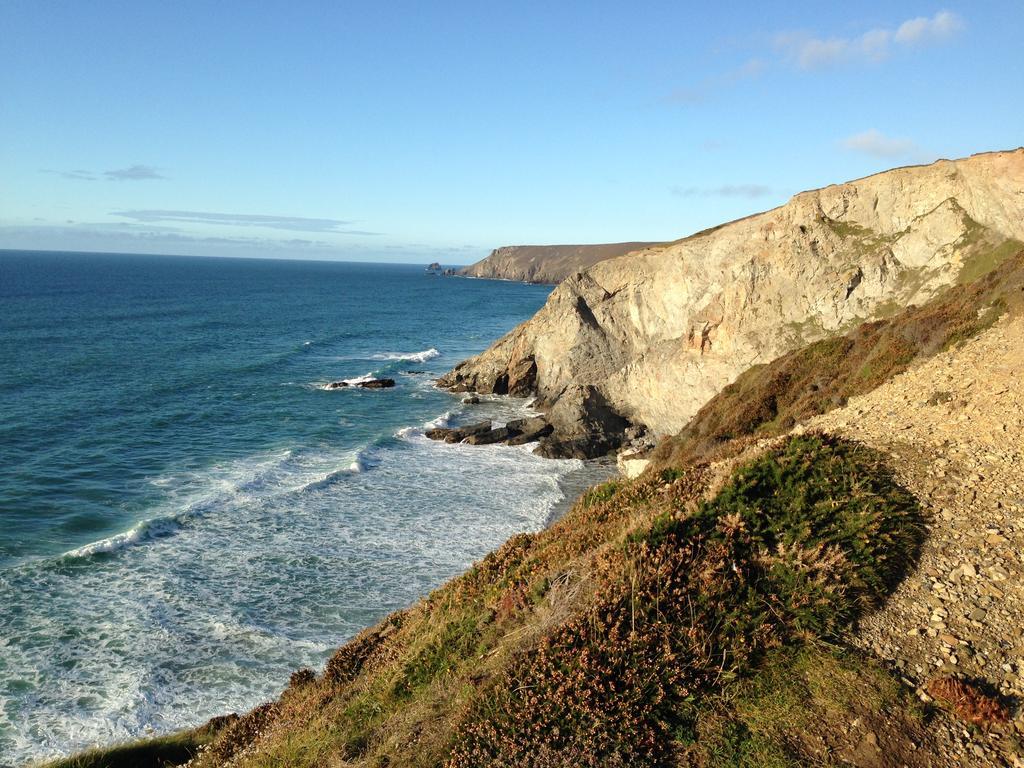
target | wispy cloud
[
  {"x": 292, "y": 223},
  {"x": 77, "y": 175},
  {"x": 750, "y": 191},
  {"x": 875, "y": 143},
  {"x": 810, "y": 52},
  {"x": 134, "y": 173},
  {"x": 130, "y": 173},
  {"x": 710, "y": 86}
]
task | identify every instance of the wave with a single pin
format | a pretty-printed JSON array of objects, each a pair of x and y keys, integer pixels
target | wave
[
  {"x": 146, "y": 530},
  {"x": 443, "y": 420},
  {"x": 255, "y": 480},
  {"x": 413, "y": 357}
]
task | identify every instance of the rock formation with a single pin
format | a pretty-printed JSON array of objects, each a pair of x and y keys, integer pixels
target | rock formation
[
  {"x": 364, "y": 383},
  {"x": 515, "y": 432},
  {"x": 546, "y": 263},
  {"x": 647, "y": 338}
]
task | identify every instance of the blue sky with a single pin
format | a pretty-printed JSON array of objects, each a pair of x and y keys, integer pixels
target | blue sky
[{"x": 412, "y": 131}]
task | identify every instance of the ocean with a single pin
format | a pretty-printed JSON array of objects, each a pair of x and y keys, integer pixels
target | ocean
[{"x": 187, "y": 515}]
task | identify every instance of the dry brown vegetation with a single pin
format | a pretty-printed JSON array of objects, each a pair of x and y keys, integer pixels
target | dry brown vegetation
[{"x": 968, "y": 701}]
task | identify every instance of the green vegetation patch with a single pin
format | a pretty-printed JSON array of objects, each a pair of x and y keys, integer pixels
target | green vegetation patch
[
  {"x": 797, "y": 707},
  {"x": 793, "y": 548}
]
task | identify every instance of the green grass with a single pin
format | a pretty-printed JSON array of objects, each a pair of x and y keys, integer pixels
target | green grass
[
  {"x": 985, "y": 259},
  {"x": 600, "y": 493},
  {"x": 796, "y": 707}
]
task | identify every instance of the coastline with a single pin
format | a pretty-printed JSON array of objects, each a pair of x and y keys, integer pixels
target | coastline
[
  {"x": 574, "y": 484},
  {"x": 231, "y": 467}
]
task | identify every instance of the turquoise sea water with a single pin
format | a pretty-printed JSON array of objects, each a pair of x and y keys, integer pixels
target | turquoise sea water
[{"x": 186, "y": 516}]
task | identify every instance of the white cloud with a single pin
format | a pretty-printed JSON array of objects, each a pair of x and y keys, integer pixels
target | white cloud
[
  {"x": 875, "y": 143},
  {"x": 942, "y": 25},
  {"x": 810, "y": 52}
]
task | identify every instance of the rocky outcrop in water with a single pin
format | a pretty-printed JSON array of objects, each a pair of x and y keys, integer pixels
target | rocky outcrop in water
[
  {"x": 546, "y": 263},
  {"x": 647, "y": 338},
  {"x": 364, "y": 383},
  {"x": 515, "y": 432}
]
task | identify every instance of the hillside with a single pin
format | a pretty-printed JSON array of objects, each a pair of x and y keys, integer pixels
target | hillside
[
  {"x": 545, "y": 263},
  {"x": 838, "y": 586},
  {"x": 649, "y": 337}
]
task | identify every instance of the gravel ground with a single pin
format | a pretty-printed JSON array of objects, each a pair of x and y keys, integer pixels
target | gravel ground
[{"x": 954, "y": 427}]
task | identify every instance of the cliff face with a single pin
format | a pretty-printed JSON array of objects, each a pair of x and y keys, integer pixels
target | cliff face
[
  {"x": 545, "y": 263},
  {"x": 650, "y": 336}
]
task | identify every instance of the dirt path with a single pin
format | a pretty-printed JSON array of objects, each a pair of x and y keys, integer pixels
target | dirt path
[{"x": 955, "y": 429}]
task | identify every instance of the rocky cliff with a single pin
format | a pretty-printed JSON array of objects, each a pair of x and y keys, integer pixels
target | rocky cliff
[
  {"x": 545, "y": 263},
  {"x": 646, "y": 338}
]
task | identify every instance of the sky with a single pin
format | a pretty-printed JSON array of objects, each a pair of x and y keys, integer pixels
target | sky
[{"x": 420, "y": 131}]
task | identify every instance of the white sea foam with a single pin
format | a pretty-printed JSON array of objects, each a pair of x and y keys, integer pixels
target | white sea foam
[
  {"x": 276, "y": 560},
  {"x": 440, "y": 421},
  {"x": 414, "y": 357}
]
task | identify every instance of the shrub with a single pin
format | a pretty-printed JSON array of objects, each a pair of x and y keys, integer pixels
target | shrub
[{"x": 795, "y": 546}]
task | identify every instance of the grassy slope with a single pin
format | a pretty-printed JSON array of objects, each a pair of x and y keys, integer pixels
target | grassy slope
[
  {"x": 658, "y": 623},
  {"x": 612, "y": 638}
]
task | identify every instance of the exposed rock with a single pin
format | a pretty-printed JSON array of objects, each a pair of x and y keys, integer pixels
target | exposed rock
[
  {"x": 658, "y": 332},
  {"x": 632, "y": 465},
  {"x": 433, "y": 267},
  {"x": 584, "y": 426},
  {"x": 458, "y": 434},
  {"x": 490, "y": 437},
  {"x": 365, "y": 384},
  {"x": 546, "y": 263},
  {"x": 376, "y": 384},
  {"x": 528, "y": 430},
  {"x": 520, "y": 379},
  {"x": 472, "y": 400}
]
